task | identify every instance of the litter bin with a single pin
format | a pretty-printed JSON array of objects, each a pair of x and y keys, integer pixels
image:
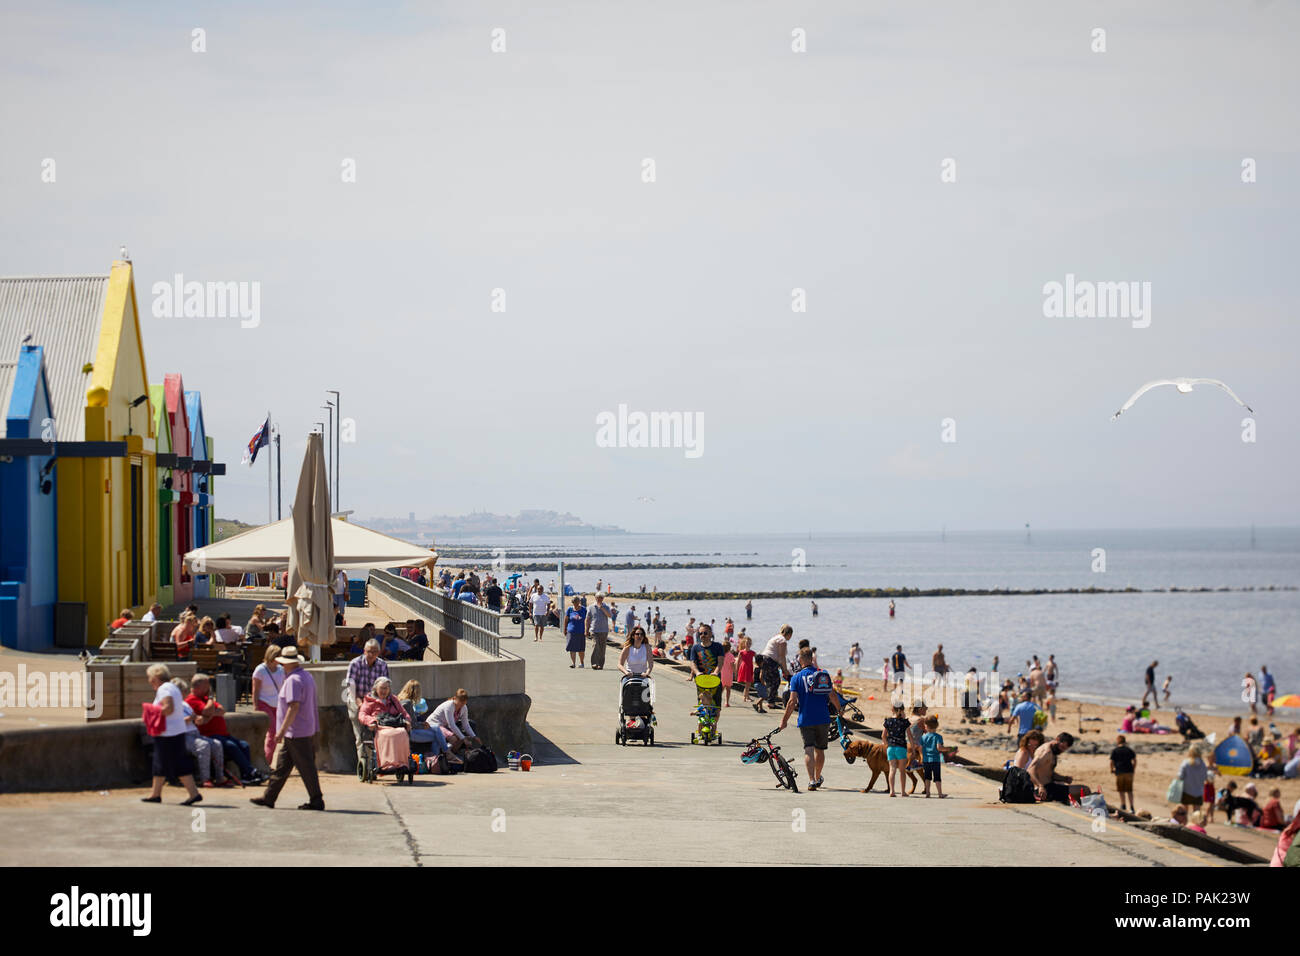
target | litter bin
[{"x": 227, "y": 693}]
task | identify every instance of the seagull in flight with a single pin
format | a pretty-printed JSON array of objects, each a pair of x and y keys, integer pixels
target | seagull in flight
[
  {"x": 644, "y": 500},
  {"x": 1183, "y": 385}
]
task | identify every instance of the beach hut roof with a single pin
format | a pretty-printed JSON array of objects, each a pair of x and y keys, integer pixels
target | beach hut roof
[{"x": 63, "y": 314}]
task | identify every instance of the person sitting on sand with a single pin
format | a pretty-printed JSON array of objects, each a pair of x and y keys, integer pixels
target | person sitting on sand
[
  {"x": 1029, "y": 744},
  {"x": 1270, "y": 815},
  {"x": 1196, "y": 821},
  {"x": 1240, "y": 809},
  {"x": 1042, "y": 770},
  {"x": 1179, "y": 816},
  {"x": 1268, "y": 759}
]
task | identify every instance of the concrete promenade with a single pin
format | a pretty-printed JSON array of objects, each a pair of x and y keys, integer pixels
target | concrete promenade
[{"x": 589, "y": 801}]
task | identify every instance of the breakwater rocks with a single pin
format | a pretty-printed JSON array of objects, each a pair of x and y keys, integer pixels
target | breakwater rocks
[
  {"x": 627, "y": 566},
  {"x": 902, "y": 592}
]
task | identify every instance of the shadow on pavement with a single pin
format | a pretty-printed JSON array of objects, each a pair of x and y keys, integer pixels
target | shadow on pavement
[{"x": 545, "y": 749}]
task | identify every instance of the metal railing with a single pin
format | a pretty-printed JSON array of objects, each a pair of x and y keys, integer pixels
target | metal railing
[{"x": 466, "y": 622}]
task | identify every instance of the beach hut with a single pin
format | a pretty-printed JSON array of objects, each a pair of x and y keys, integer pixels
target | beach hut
[
  {"x": 178, "y": 420},
  {"x": 1233, "y": 756},
  {"x": 104, "y": 477},
  {"x": 169, "y": 559},
  {"x": 200, "y": 481},
  {"x": 28, "y": 552}
]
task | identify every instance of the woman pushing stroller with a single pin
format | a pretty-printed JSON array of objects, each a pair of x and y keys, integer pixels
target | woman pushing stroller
[{"x": 636, "y": 690}]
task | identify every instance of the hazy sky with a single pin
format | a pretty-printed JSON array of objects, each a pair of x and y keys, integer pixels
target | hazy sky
[{"x": 775, "y": 170}]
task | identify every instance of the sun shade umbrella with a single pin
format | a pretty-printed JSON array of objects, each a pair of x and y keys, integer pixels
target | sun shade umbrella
[{"x": 311, "y": 553}]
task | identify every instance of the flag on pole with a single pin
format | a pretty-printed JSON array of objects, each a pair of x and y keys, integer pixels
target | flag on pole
[{"x": 260, "y": 440}]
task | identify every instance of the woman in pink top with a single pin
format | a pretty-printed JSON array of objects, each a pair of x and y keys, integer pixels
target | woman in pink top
[
  {"x": 745, "y": 665},
  {"x": 728, "y": 674}
]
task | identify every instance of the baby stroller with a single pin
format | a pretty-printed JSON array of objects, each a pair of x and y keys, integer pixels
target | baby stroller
[
  {"x": 707, "y": 713},
  {"x": 636, "y": 713},
  {"x": 849, "y": 707},
  {"x": 1187, "y": 728},
  {"x": 386, "y": 750}
]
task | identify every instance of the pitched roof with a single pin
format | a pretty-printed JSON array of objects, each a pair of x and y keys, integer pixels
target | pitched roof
[
  {"x": 198, "y": 434},
  {"x": 63, "y": 314}
]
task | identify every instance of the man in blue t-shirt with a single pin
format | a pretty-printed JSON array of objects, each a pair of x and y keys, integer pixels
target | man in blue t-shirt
[
  {"x": 810, "y": 689},
  {"x": 706, "y": 658},
  {"x": 1024, "y": 712}
]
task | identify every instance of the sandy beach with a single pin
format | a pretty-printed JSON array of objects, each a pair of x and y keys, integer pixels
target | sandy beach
[{"x": 1159, "y": 755}]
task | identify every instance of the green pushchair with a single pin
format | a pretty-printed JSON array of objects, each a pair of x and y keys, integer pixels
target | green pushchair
[{"x": 709, "y": 688}]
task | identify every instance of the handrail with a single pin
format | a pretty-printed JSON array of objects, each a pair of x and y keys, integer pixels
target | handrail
[{"x": 466, "y": 622}]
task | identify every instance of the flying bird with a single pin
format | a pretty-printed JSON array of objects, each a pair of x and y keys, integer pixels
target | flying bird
[
  {"x": 645, "y": 500},
  {"x": 1183, "y": 385}
]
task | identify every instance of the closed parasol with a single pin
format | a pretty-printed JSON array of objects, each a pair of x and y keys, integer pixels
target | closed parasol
[{"x": 311, "y": 555}]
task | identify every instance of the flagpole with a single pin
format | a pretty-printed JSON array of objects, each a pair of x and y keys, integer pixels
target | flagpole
[
  {"x": 279, "y": 510},
  {"x": 268, "y": 479}
]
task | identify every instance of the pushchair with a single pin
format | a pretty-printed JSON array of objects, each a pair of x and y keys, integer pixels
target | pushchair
[
  {"x": 706, "y": 714},
  {"x": 384, "y": 751},
  {"x": 1187, "y": 728},
  {"x": 636, "y": 713}
]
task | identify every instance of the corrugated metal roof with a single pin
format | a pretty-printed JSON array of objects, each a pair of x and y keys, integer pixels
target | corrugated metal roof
[
  {"x": 64, "y": 314},
  {"x": 7, "y": 370}
]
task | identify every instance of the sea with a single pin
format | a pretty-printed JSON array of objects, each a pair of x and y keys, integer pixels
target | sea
[{"x": 1206, "y": 640}]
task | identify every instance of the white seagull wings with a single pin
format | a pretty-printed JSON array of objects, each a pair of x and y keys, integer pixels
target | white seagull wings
[{"x": 1183, "y": 385}]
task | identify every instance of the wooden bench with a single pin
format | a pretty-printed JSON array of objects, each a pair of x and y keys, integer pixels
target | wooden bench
[{"x": 162, "y": 651}]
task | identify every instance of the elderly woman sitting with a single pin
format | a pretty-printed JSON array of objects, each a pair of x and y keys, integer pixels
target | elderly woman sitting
[
  {"x": 422, "y": 732},
  {"x": 381, "y": 700}
]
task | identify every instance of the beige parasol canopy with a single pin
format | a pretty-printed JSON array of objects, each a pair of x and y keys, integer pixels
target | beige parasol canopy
[{"x": 311, "y": 554}]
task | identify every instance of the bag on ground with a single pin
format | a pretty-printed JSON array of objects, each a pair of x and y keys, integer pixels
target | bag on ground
[
  {"x": 1017, "y": 787},
  {"x": 479, "y": 760}
]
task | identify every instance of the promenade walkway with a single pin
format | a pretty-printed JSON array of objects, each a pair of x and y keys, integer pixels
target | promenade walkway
[{"x": 589, "y": 801}]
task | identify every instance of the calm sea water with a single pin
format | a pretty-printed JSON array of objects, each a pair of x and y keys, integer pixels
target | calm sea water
[{"x": 1102, "y": 643}]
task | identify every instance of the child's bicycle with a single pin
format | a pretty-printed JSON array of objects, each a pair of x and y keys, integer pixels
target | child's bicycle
[
  {"x": 762, "y": 750},
  {"x": 706, "y": 731}
]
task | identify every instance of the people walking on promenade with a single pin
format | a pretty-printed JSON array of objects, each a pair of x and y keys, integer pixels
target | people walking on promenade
[
  {"x": 745, "y": 665},
  {"x": 771, "y": 667},
  {"x": 728, "y": 673},
  {"x": 541, "y": 603},
  {"x": 599, "y": 618},
  {"x": 895, "y": 736},
  {"x": 575, "y": 626},
  {"x": 170, "y": 758},
  {"x": 811, "y": 689},
  {"x": 362, "y": 674},
  {"x": 296, "y": 734},
  {"x": 267, "y": 678},
  {"x": 706, "y": 658},
  {"x": 636, "y": 659}
]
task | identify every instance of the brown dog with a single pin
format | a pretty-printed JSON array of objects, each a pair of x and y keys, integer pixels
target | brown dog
[{"x": 874, "y": 754}]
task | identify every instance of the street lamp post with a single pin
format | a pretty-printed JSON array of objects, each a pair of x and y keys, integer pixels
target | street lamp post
[
  {"x": 338, "y": 426},
  {"x": 330, "y": 442}
]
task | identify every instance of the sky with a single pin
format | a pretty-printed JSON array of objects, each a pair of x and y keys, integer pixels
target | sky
[{"x": 523, "y": 169}]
